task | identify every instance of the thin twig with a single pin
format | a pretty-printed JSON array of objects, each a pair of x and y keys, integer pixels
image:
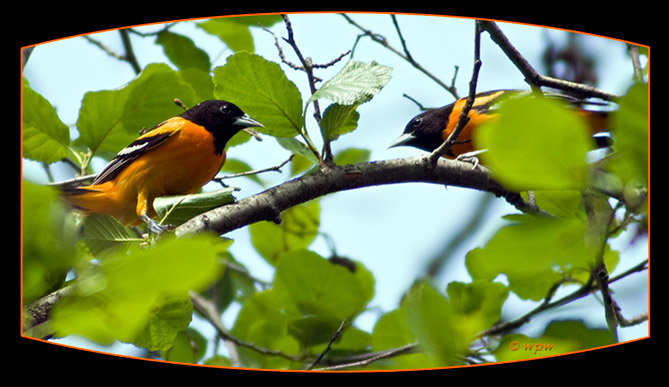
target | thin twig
[
  {"x": 209, "y": 312},
  {"x": 399, "y": 34},
  {"x": 307, "y": 66},
  {"x": 636, "y": 62},
  {"x": 366, "y": 359},
  {"x": 276, "y": 168},
  {"x": 382, "y": 41},
  {"x": 74, "y": 181},
  {"x": 464, "y": 114},
  {"x": 577, "y": 294},
  {"x": 327, "y": 348}
]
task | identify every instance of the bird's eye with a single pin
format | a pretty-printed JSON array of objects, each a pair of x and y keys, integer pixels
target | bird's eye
[
  {"x": 417, "y": 121},
  {"x": 225, "y": 109}
]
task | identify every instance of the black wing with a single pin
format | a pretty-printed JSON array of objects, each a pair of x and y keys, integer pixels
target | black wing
[{"x": 130, "y": 153}]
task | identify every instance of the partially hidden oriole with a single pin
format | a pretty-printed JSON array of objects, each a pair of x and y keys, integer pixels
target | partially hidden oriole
[
  {"x": 176, "y": 157},
  {"x": 428, "y": 130}
]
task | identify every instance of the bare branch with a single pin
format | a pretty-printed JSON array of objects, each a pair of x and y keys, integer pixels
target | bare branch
[{"x": 532, "y": 76}]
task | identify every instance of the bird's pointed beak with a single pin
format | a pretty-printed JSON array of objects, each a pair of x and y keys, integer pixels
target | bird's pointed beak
[
  {"x": 248, "y": 122},
  {"x": 402, "y": 140}
]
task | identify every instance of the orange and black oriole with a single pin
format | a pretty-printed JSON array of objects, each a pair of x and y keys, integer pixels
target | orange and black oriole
[
  {"x": 428, "y": 130},
  {"x": 176, "y": 157}
]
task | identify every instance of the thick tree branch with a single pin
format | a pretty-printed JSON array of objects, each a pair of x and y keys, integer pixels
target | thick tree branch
[{"x": 269, "y": 204}]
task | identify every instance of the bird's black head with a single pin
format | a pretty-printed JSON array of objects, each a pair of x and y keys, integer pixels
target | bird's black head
[
  {"x": 424, "y": 131},
  {"x": 222, "y": 118}
]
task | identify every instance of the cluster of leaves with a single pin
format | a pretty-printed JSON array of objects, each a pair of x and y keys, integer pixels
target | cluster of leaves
[
  {"x": 130, "y": 293},
  {"x": 140, "y": 294}
]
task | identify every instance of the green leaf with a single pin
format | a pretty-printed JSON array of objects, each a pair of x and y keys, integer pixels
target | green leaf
[
  {"x": 182, "y": 51},
  {"x": 559, "y": 337},
  {"x": 235, "y": 35},
  {"x": 433, "y": 325},
  {"x": 338, "y": 120},
  {"x": 310, "y": 330},
  {"x": 48, "y": 241},
  {"x": 218, "y": 361},
  {"x": 535, "y": 253},
  {"x": 236, "y": 284},
  {"x": 445, "y": 327},
  {"x": 478, "y": 305},
  {"x": 631, "y": 132},
  {"x": 111, "y": 119},
  {"x": 235, "y": 31},
  {"x": 165, "y": 324},
  {"x": 298, "y": 228},
  {"x": 104, "y": 235},
  {"x": 45, "y": 137},
  {"x": 352, "y": 156},
  {"x": 200, "y": 81},
  {"x": 535, "y": 144},
  {"x": 189, "y": 346},
  {"x": 297, "y": 147},
  {"x": 356, "y": 83},
  {"x": 261, "y": 89},
  {"x": 311, "y": 286},
  {"x": 263, "y": 322},
  {"x": 118, "y": 303},
  {"x": 391, "y": 331},
  {"x": 182, "y": 208},
  {"x": 562, "y": 203}
]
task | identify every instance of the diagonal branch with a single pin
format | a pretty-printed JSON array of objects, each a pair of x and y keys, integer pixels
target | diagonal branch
[{"x": 532, "y": 76}]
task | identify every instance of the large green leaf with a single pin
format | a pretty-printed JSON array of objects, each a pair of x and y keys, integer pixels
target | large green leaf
[
  {"x": 338, "y": 120},
  {"x": 261, "y": 89},
  {"x": 631, "y": 132},
  {"x": 298, "y": 228},
  {"x": 356, "y": 83},
  {"x": 49, "y": 240},
  {"x": 181, "y": 208},
  {"x": 182, "y": 51},
  {"x": 311, "y": 285},
  {"x": 536, "y": 143},
  {"x": 121, "y": 300},
  {"x": 391, "y": 331},
  {"x": 235, "y": 31},
  {"x": 104, "y": 235},
  {"x": 263, "y": 322},
  {"x": 444, "y": 327},
  {"x": 111, "y": 119},
  {"x": 535, "y": 253},
  {"x": 433, "y": 325},
  {"x": 45, "y": 137}
]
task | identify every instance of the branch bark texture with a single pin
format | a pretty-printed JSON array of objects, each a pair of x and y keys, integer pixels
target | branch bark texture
[{"x": 269, "y": 204}]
